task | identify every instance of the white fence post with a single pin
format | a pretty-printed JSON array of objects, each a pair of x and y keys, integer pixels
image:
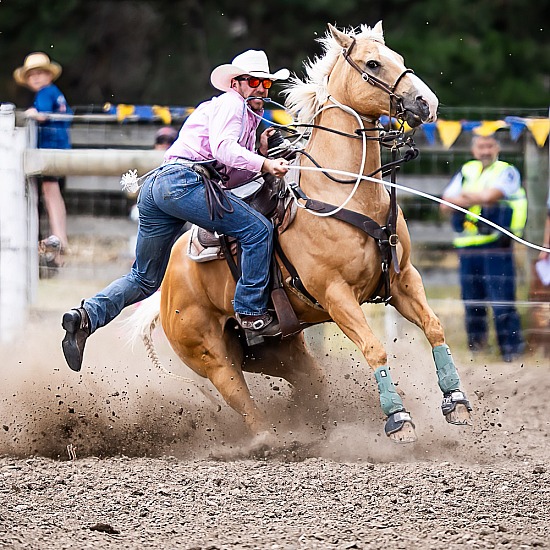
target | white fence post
[{"x": 18, "y": 229}]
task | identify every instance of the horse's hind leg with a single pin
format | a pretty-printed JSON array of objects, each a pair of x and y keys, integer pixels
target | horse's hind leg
[
  {"x": 348, "y": 315},
  {"x": 409, "y": 298},
  {"x": 200, "y": 342}
]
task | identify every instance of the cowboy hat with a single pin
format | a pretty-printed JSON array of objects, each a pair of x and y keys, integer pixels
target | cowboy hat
[
  {"x": 36, "y": 60},
  {"x": 252, "y": 62}
]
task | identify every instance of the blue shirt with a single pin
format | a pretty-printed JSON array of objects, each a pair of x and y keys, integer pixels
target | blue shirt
[{"x": 52, "y": 134}]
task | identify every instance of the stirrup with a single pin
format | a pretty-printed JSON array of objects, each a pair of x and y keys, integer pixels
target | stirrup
[{"x": 256, "y": 330}]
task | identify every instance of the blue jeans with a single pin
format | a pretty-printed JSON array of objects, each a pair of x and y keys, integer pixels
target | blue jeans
[
  {"x": 170, "y": 196},
  {"x": 488, "y": 274}
]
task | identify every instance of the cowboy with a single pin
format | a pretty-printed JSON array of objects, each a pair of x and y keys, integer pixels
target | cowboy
[{"x": 221, "y": 131}]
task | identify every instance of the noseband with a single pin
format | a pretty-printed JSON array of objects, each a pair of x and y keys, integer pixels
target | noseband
[{"x": 389, "y": 89}]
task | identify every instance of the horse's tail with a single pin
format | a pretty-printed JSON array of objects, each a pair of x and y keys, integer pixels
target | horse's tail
[{"x": 141, "y": 325}]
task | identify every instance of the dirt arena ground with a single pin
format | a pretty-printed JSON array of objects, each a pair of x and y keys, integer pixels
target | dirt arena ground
[{"x": 124, "y": 456}]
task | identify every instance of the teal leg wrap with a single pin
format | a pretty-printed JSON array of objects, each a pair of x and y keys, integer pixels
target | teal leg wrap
[
  {"x": 446, "y": 370},
  {"x": 389, "y": 398}
]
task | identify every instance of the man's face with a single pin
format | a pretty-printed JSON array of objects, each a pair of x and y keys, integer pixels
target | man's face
[
  {"x": 242, "y": 87},
  {"x": 38, "y": 79},
  {"x": 485, "y": 149}
]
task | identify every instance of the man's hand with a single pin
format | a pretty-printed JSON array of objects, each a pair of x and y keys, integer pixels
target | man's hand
[
  {"x": 262, "y": 149},
  {"x": 276, "y": 167}
]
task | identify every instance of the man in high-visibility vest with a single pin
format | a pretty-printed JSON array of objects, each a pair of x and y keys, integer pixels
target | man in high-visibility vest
[{"x": 491, "y": 188}]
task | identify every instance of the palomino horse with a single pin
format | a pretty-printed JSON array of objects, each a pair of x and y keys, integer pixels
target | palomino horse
[{"x": 357, "y": 80}]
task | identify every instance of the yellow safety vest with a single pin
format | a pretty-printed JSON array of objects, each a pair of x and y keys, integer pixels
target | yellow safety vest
[{"x": 475, "y": 179}]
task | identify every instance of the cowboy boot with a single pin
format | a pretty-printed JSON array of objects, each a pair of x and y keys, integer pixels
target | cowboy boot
[
  {"x": 257, "y": 326},
  {"x": 77, "y": 326}
]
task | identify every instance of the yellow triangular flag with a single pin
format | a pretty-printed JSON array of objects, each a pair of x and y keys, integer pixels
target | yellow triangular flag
[
  {"x": 449, "y": 130},
  {"x": 124, "y": 111},
  {"x": 539, "y": 127},
  {"x": 489, "y": 127},
  {"x": 281, "y": 117},
  {"x": 163, "y": 113}
]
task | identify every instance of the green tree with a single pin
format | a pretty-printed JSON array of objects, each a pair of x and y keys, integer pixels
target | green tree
[{"x": 484, "y": 52}]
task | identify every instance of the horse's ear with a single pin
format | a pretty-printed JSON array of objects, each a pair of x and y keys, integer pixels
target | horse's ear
[
  {"x": 342, "y": 38},
  {"x": 378, "y": 29}
]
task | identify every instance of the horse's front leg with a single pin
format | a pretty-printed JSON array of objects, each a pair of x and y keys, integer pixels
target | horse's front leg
[
  {"x": 409, "y": 298},
  {"x": 348, "y": 315}
]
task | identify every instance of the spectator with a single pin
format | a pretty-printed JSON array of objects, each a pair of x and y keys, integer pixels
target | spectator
[
  {"x": 38, "y": 74},
  {"x": 165, "y": 137},
  {"x": 491, "y": 188}
]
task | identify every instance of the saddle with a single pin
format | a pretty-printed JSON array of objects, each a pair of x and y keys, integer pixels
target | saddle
[
  {"x": 271, "y": 197},
  {"x": 274, "y": 198}
]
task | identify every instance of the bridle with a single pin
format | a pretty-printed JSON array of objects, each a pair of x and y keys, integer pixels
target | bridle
[{"x": 376, "y": 82}]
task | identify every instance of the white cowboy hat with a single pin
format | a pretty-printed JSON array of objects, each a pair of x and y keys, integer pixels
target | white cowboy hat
[
  {"x": 252, "y": 62},
  {"x": 36, "y": 60}
]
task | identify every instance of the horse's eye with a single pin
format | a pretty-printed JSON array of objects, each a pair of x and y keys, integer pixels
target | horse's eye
[{"x": 373, "y": 64}]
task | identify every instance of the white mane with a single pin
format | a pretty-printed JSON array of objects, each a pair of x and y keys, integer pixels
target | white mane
[{"x": 305, "y": 97}]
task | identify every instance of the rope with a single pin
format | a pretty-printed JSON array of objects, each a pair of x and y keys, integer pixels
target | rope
[
  {"x": 420, "y": 194},
  {"x": 359, "y": 177}
]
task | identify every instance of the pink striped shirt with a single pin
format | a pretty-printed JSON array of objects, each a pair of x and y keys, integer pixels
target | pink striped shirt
[{"x": 222, "y": 129}]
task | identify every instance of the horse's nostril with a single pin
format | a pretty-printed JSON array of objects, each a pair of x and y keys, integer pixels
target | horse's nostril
[{"x": 423, "y": 106}]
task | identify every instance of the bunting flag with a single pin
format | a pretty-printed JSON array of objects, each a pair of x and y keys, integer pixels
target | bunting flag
[
  {"x": 143, "y": 112},
  {"x": 429, "y": 131},
  {"x": 109, "y": 108},
  {"x": 280, "y": 116},
  {"x": 163, "y": 113},
  {"x": 449, "y": 130},
  {"x": 516, "y": 125},
  {"x": 539, "y": 127},
  {"x": 124, "y": 111},
  {"x": 488, "y": 127},
  {"x": 470, "y": 125}
]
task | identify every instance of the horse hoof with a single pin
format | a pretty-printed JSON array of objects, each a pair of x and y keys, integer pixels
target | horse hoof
[
  {"x": 460, "y": 416},
  {"x": 262, "y": 444},
  {"x": 456, "y": 408},
  {"x": 406, "y": 434},
  {"x": 400, "y": 428}
]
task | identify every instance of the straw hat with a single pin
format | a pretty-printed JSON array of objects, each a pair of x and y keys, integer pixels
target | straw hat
[
  {"x": 36, "y": 60},
  {"x": 252, "y": 62}
]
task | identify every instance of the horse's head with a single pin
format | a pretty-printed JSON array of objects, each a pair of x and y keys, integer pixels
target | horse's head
[{"x": 373, "y": 80}]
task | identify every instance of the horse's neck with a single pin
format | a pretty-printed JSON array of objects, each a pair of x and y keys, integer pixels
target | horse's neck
[{"x": 338, "y": 152}]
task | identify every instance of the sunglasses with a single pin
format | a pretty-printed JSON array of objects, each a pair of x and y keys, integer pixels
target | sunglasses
[{"x": 254, "y": 81}]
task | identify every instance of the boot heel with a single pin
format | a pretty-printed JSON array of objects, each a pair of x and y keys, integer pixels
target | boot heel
[
  {"x": 70, "y": 321},
  {"x": 253, "y": 338}
]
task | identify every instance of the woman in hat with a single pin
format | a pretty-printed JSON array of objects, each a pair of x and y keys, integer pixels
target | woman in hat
[
  {"x": 39, "y": 73},
  {"x": 221, "y": 130}
]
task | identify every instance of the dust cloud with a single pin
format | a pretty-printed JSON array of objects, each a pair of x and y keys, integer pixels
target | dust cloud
[{"x": 119, "y": 404}]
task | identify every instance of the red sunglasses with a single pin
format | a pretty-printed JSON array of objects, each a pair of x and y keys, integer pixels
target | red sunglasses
[{"x": 254, "y": 81}]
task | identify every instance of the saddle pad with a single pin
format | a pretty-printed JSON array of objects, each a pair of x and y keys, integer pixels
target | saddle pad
[
  {"x": 293, "y": 174},
  {"x": 199, "y": 253},
  {"x": 248, "y": 189}
]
